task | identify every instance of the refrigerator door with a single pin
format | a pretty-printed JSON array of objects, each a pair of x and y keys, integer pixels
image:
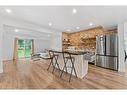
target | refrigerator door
[
  {"x": 111, "y": 62},
  {"x": 111, "y": 45},
  {"x": 100, "y": 61},
  {"x": 100, "y": 45}
]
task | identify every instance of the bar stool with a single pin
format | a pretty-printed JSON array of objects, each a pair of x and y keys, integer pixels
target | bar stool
[
  {"x": 53, "y": 56},
  {"x": 72, "y": 60}
]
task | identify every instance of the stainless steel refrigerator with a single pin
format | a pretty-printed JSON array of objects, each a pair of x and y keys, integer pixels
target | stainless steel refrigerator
[{"x": 107, "y": 51}]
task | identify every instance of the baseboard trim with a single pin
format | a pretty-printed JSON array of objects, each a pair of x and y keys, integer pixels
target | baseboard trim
[{"x": 7, "y": 60}]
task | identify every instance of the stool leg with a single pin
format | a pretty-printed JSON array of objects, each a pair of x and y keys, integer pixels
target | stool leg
[
  {"x": 71, "y": 74},
  {"x": 54, "y": 65},
  {"x": 72, "y": 62},
  {"x": 53, "y": 68},
  {"x": 49, "y": 65},
  {"x": 66, "y": 65},
  {"x": 74, "y": 71},
  {"x": 74, "y": 68},
  {"x": 66, "y": 70},
  {"x": 63, "y": 68},
  {"x": 57, "y": 63},
  {"x": 62, "y": 72}
]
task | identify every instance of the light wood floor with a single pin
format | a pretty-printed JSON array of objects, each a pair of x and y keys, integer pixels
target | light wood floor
[{"x": 26, "y": 74}]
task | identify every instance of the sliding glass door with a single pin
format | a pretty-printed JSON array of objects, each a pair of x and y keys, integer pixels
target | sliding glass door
[{"x": 24, "y": 48}]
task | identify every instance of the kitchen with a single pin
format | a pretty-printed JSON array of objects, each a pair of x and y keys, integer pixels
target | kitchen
[
  {"x": 92, "y": 41},
  {"x": 90, "y": 46}
]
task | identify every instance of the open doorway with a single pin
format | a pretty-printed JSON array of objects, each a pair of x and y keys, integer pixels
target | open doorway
[{"x": 24, "y": 49}]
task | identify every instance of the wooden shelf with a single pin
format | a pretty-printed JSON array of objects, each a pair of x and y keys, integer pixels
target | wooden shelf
[
  {"x": 89, "y": 38},
  {"x": 88, "y": 43}
]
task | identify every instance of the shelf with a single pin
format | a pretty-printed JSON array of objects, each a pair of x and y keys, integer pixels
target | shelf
[
  {"x": 66, "y": 43},
  {"x": 89, "y": 38}
]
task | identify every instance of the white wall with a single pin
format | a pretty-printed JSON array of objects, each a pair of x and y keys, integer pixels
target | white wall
[
  {"x": 41, "y": 45},
  {"x": 57, "y": 42},
  {"x": 121, "y": 29},
  {"x": 125, "y": 37},
  {"x": 8, "y": 47},
  {"x": 1, "y": 36}
]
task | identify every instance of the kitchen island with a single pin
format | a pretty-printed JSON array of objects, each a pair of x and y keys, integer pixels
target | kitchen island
[{"x": 81, "y": 65}]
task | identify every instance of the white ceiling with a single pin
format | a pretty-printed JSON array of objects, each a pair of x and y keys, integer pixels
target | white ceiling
[
  {"x": 62, "y": 17},
  {"x": 26, "y": 33}
]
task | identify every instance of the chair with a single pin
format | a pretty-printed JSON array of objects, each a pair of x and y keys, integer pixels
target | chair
[
  {"x": 72, "y": 61},
  {"x": 125, "y": 56}
]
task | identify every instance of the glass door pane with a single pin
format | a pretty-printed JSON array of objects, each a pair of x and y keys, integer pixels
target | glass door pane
[
  {"x": 21, "y": 48},
  {"x": 24, "y": 48},
  {"x": 28, "y": 48}
]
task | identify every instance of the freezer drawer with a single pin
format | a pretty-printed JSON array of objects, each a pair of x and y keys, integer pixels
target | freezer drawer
[
  {"x": 100, "y": 61},
  {"x": 111, "y": 62},
  {"x": 107, "y": 62}
]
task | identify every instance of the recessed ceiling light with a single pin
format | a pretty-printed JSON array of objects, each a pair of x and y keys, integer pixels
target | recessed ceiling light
[
  {"x": 16, "y": 30},
  {"x": 68, "y": 30},
  {"x": 91, "y": 24},
  {"x": 77, "y": 27},
  {"x": 50, "y": 24},
  {"x": 8, "y": 10},
  {"x": 74, "y": 11},
  {"x": 48, "y": 35}
]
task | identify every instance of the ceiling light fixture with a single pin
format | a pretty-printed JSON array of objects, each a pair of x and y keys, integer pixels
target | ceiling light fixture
[
  {"x": 8, "y": 10},
  {"x": 16, "y": 30},
  {"x": 50, "y": 24},
  {"x": 68, "y": 30},
  {"x": 90, "y": 24},
  {"x": 77, "y": 27},
  {"x": 74, "y": 11}
]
